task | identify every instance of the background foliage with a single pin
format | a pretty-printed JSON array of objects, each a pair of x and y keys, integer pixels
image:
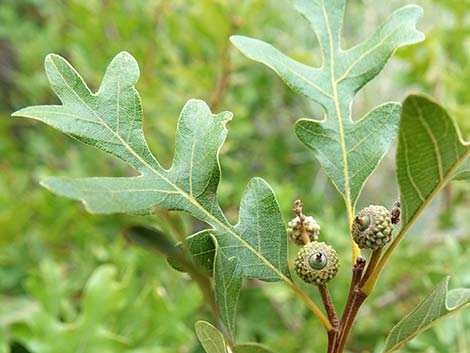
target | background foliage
[{"x": 67, "y": 276}]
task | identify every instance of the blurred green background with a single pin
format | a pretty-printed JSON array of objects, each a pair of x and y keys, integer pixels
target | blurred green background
[{"x": 69, "y": 282}]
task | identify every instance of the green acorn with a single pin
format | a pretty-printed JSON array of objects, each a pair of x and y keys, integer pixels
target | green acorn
[
  {"x": 372, "y": 228},
  {"x": 294, "y": 229},
  {"x": 316, "y": 263}
]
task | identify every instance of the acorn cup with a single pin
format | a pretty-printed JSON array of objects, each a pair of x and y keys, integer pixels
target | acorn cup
[
  {"x": 316, "y": 263},
  {"x": 372, "y": 228}
]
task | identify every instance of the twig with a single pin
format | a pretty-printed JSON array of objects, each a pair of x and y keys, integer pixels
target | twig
[
  {"x": 352, "y": 305},
  {"x": 332, "y": 335},
  {"x": 329, "y": 306},
  {"x": 358, "y": 299}
]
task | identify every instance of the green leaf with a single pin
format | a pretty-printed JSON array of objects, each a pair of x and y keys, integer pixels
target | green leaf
[
  {"x": 111, "y": 120},
  {"x": 429, "y": 151},
  {"x": 364, "y": 142},
  {"x": 202, "y": 249},
  {"x": 210, "y": 337},
  {"x": 151, "y": 238},
  {"x": 348, "y": 151},
  {"x": 213, "y": 341},
  {"x": 435, "y": 307},
  {"x": 200, "y": 246},
  {"x": 227, "y": 288},
  {"x": 252, "y": 348}
]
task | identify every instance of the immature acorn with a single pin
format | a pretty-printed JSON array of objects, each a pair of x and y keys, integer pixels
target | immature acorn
[
  {"x": 294, "y": 229},
  {"x": 372, "y": 228},
  {"x": 316, "y": 263}
]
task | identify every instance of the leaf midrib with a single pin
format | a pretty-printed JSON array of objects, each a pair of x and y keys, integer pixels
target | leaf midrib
[
  {"x": 181, "y": 192},
  {"x": 349, "y": 206},
  {"x": 339, "y": 115}
]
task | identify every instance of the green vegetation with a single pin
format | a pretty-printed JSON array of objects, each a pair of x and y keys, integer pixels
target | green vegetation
[{"x": 70, "y": 281}]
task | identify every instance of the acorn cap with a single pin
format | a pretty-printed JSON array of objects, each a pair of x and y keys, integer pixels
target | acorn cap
[
  {"x": 294, "y": 229},
  {"x": 372, "y": 228},
  {"x": 316, "y": 263}
]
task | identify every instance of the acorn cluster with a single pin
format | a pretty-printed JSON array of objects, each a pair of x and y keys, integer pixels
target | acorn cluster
[{"x": 317, "y": 262}]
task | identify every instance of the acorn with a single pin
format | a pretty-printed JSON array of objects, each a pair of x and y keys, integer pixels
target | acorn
[
  {"x": 316, "y": 263},
  {"x": 294, "y": 229},
  {"x": 372, "y": 228}
]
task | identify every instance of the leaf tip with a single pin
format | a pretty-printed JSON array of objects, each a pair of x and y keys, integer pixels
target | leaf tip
[
  {"x": 51, "y": 184},
  {"x": 192, "y": 103},
  {"x": 59, "y": 186},
  {"x": 225, "y": 116},
  {"x": 235, "y": 38},
  {"x": 18, "y": 113},
  {"x": 416, "y": 13},
  {"x": 125, "y": 64},
  {"x": 51, "y": 57},
  {"x": 241, "y": 42},
  {"x": 51, "y": 62},
  {"x": 258, "y": 180},
  {"x": 126, "y": 58}
]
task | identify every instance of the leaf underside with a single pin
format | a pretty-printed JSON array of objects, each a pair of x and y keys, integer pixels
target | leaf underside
[
  {"x": 111, "y": 120},
  {"x": 348, "y": 151},
  {"x": 435, "y": 307}
]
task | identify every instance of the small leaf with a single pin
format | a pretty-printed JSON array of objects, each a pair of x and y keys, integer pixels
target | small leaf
[
  {"x": 435, "y": 307},
  {"x": 429, "y": 151},
  {"x": 252, "y": 348},
  {"x": 210, "y": 337},
  {"x": 348, "y": 151}
]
